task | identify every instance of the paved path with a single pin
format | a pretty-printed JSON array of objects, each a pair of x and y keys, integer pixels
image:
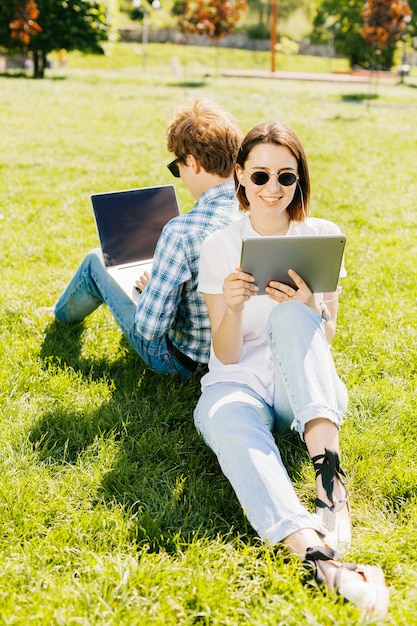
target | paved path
[{"x": 312, "y": 76}]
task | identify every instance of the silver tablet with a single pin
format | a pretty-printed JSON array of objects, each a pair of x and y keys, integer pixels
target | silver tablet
[{"x": 316, "y": 258}]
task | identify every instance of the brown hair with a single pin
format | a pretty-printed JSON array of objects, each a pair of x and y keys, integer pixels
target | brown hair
[
  {"x": 282, "y": 135},
  {"x": 207, "y": 132}
]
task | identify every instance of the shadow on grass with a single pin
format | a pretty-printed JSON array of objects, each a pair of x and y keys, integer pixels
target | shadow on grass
[
  {"x": 14, "y": 75},
  {"x": 62, "y": 434},
  {"x": 21, "y": 74},
  {"x": 166, "y": 479},
  {"x": 359, "y": 97},
  {"x": 163, "y": 475},
  {"x": 191, "y": 84},
  {"x": 62, "y": 348}
]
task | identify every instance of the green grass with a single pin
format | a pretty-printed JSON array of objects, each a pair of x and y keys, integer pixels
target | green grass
[
  {"x": 198, "y": 60},
  {"x": 113, "y": 511}
]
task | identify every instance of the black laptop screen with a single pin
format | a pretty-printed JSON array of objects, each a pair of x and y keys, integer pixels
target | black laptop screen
[{"x": 129, "y": 222}]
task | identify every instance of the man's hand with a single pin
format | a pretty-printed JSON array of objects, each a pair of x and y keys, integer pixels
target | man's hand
[{"x": 141, "y": 283}]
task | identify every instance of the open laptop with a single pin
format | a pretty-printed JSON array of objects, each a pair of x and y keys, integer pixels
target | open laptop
[
  {"x": 129, "y": 224},
  {"x": 316, "y": 258}
]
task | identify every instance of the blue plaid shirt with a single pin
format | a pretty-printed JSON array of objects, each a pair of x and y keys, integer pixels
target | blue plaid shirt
[{"x": 170, "y": 304}]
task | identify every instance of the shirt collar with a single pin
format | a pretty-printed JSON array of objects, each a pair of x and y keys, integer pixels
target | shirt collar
[{"x": 223, "y": 189}]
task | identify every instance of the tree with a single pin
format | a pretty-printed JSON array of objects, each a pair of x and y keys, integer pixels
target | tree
[
  {"x": 346, "y": 21},
  {"x": 384, "y": 22},
  {"x": 213, "y": 18},
  {"x": 341, "y": 21},
  {"x": 65, "y": 24}
]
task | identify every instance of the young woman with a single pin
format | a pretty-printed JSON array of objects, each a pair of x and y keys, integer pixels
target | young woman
[{"x": 271, "y": 367}]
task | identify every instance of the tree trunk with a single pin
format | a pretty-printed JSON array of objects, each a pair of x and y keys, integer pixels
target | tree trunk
[{"x": 39, "y": 63}]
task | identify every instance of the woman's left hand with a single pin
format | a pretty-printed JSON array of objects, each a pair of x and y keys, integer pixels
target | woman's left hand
[{"x": 280, "y": 292}]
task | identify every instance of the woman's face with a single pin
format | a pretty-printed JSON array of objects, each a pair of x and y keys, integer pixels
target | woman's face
[{"x": 272, "y": 198}]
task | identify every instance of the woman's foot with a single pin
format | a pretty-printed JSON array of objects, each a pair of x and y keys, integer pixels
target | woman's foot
[
  {"x": 332, "y": 503},
  {"x": 363, "y": 585}
]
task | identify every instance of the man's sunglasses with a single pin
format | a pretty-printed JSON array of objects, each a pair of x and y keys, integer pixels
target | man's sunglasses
[
  {"x": 173, "y": 167},
  {"x": 284, "y": 178}
]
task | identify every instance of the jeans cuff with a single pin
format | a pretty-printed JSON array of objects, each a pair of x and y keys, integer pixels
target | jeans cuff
[
  {"x": 314, "y": 412},
  {"x": 276, "y": 534}
]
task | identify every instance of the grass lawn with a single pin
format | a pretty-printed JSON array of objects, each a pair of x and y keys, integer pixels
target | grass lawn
[{"x": 113, "y": 510}]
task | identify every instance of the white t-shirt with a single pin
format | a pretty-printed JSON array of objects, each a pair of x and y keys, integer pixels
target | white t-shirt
[{"x": 220, "y": 255}]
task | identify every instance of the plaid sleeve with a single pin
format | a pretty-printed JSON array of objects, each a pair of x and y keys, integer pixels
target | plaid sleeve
[{"x": 159, "y": 302}]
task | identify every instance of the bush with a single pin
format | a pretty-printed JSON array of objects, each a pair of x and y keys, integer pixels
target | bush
[
  {"x": 287, "y": 46},
  {"x": 258, "y": 31}
]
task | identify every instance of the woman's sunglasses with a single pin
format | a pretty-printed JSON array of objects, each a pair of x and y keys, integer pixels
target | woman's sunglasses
[
  {"x": 284, "y": 178},
  {"x": 173, "y": 167}
]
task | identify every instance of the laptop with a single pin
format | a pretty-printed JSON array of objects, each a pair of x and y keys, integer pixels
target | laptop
[
  {"x": 129, "y": 224},
  {"x": 316, "y": 258}
]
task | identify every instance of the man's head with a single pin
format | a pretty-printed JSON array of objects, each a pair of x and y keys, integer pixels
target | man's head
[{"x": 209, "y": 135}]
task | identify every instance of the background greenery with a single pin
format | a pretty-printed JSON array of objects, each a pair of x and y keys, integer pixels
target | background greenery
[
  {"x": 258, "y": 13},
  {"x": 332, "y": 23},
  {"x": 113, "y": 510}
]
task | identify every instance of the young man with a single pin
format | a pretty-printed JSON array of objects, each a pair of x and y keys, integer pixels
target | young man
[{"x": 169, "y": 327}]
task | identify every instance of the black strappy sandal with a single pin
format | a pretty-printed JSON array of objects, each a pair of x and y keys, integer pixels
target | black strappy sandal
[
  {"x": 336, "y": 517},
  {"x": 370, "y": 594}
]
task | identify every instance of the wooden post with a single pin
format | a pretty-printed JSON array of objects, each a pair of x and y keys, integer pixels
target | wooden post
[{"x": 274, "y": 13}]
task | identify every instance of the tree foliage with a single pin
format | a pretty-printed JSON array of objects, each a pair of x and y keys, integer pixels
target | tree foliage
[
  {"x": 25, "y": 25},
  {"x": 213, "y": 18},
  {"x": 8, "y": 13},
  {"x": 384, "y": 22},
  {"x": 70, "y": 24},
  {"x": 412, "y": 26},
  {"x": 343, "y": 21},
  {"x": 285, "y": 9}
]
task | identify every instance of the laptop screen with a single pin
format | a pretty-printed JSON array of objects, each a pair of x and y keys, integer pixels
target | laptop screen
[{"x": 129, "y": 222}]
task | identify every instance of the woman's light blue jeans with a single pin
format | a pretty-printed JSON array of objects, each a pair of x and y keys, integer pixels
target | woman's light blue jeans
[
  {"x": 92, "y": 286},
  {"x": 237, "y": 423}
]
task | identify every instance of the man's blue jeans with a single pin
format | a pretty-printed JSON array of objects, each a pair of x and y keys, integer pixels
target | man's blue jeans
[{"x": 92, "y": 286}]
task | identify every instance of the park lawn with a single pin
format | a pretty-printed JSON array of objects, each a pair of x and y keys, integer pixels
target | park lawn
[{"x": 113, "y": 510}]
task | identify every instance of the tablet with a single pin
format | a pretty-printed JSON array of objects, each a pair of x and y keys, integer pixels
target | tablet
[{"x": 316, "y": 258}]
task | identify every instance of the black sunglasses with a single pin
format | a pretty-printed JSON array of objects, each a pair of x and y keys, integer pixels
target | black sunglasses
[
  {"x": 173, "y": 167},
  {"x": 284, "y": 178}
]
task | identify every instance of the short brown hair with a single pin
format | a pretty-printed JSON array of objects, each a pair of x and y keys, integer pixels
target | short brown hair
[
  {"x": 279, "y": 134},
  {"x": 209, "y": 133}
]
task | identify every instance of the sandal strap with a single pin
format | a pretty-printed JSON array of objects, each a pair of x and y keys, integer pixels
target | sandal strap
[
  {"x": 321, "y": 553},
  {"x": 370, "y": 594},
  {"x": 316, "y": 554},
  {"x": 328, "y": 469},
  {"x": 334, "y": 508}
]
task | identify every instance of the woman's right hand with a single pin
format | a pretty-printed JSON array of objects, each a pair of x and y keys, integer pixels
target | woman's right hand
[
  {"x": 226, "y": 319},
  {"x": 238, "y": 287}
]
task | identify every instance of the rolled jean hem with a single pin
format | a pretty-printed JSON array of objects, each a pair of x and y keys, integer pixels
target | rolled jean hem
[
  {"x": 279, "y": 532},
  {"x": 314, "y": 412}
]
